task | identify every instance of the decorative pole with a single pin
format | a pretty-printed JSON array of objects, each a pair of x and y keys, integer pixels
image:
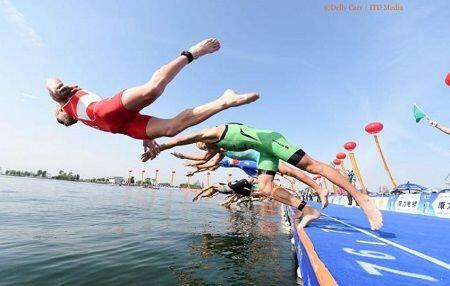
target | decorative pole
[
  {"x": 350, "y": 146},
  {"x": 142, "y": 177},
  {"x": 342, "y": 156},
  {"x": 230, "y": 177},
  {"x": 336, "y": 162},
  {"x": 156, "y": 177},
  {"x": 325, "y": 183},
  {"x": 189, "y": 179},
  {"x": 129, "y": 176},
  {"x": 208, "y": 175},
  {"x": 374, "y": 128},
  {"x": 172, "y": 178}
]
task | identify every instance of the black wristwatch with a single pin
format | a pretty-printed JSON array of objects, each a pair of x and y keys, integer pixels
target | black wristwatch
[{"x": 188, "y": 55}]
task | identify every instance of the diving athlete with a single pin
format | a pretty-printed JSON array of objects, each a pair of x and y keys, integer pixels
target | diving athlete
[
  {"x": 121, "y": 112},
  {"x": 247, "y": 161},
  {"x": 273, "y": 147},
  {"x": 241, "y": 187}
]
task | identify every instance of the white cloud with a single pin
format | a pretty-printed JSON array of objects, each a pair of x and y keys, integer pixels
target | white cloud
[
  {"x": 18, "y": 20},
  {"x": 28, "y": 96}
]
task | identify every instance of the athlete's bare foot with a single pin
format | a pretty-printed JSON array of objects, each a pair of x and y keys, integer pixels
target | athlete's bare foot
[
  {"x": 207, "y": 46},
  {"x": 309, "y": 214},
  {"x": 323, "y": 194},
  {"x": 231, "y": 98},
  {"x": 372, "y": 212}
]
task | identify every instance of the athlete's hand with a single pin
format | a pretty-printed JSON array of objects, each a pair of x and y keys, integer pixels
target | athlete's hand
[
  {"x": 178, "y": 155},
  {"x": 151, "y": 150},
  {"x": 63, "y": 90}
]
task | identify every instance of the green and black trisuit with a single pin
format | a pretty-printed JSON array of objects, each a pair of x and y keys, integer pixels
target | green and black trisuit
[{"x": 271, "y": 145}]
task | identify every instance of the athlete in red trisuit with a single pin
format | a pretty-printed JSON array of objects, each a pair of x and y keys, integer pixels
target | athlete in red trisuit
[{"x": 121, "y": 112}]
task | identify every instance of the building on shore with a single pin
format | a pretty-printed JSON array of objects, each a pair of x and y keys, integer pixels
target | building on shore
[{"x": 116, "y": 180}]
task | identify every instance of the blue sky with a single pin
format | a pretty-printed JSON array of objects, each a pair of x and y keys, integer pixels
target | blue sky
[{"x": 322, "y": 76}]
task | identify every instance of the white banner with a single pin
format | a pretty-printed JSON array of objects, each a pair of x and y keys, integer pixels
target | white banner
[
  {"x": 408, "y": 203},
  {"x": 441, "y": 205}
]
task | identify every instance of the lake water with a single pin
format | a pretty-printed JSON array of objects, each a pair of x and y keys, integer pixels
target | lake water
[{"x": 65, "y": 233}]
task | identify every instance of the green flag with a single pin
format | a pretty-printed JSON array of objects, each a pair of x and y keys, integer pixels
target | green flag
[{"x": 418, "y": 113}]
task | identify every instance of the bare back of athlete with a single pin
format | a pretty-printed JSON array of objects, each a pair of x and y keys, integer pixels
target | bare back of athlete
[{"x": 122, "y": 111}]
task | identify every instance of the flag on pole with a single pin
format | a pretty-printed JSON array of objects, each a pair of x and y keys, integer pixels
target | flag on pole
[{"x": 418, "y": 113}]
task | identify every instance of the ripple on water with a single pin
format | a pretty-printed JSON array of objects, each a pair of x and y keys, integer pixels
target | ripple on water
[{"x": 64, "y": 233}]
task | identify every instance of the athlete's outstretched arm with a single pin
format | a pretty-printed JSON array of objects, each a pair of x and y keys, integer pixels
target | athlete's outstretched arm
[
  {"x": 191, "y": 163},
  {"x": 214, "y": 161},
  {"x": 439, "y": 126},
  {"x": 190, "y": 174},
  {"x": 200, "y": 194},
  {"x": 199, "y": 157},
  {"x": 443, "y": 129},
  {"x": 205, "y": 135}
]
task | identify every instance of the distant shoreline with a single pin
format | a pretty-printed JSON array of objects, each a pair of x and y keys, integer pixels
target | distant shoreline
[{"x": 100, "y": 183}]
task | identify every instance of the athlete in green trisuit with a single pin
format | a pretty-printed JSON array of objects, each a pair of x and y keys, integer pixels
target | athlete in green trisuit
[{"x": 272, "y": 147}]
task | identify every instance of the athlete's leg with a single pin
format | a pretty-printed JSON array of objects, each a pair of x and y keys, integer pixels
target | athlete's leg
[
  {"x": 157, "y": 127},
  {"x": 285, "y": 169},
  {"x": 281, "y": 195},
  {"x": 315, "y": 167},
  {"x": 266, "y": 187},
  {"x": 136, "y": 98}
]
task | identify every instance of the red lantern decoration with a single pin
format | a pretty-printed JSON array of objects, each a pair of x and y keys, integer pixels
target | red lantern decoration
[
  {"x": 374, "y": 128},
  {"x": 350, "y": 146},
  {"x": 336, "y": 161},
  {"x": 447, "y": 79},
  {"x": 341, "y": 156}
]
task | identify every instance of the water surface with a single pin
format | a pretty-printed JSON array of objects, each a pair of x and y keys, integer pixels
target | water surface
[{"x": 66, "y": 233}]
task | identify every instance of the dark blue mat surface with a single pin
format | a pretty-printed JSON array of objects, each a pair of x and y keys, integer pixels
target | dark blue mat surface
[{"x": 408, "y": 250}]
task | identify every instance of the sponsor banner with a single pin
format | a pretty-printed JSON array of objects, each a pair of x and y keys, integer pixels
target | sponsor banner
[
  {"x": 408, "y": 203},
  {"x": 441, "y": 205},
  {"x": 433, "y": 204}
]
